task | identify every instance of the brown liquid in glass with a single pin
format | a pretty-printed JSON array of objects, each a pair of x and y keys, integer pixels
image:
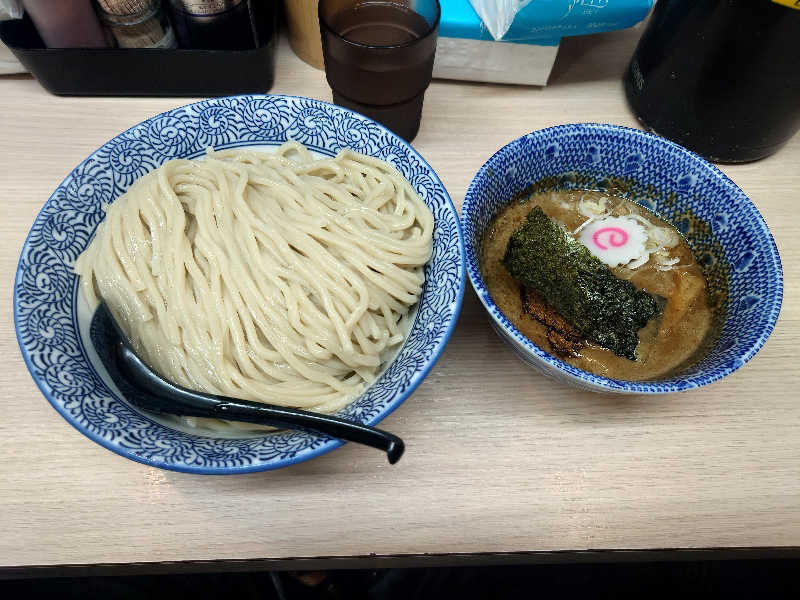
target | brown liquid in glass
[{"x": 380, "y": 24}]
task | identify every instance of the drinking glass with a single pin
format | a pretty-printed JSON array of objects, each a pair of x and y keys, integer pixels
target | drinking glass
[{"x": 379, "y": 57}]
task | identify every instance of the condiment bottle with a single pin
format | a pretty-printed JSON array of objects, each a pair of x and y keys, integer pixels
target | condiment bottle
[
  {"x": 66, "y": 23},
  {"x": 720, "y": 77},
  {"x": 302, "y": 24},
  {"x": 214, "y": 24}
]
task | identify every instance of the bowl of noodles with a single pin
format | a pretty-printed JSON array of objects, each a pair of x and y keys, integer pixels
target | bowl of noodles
[
  {"x": 266, "y": 247},
  {"x": 614, "y": 260}
]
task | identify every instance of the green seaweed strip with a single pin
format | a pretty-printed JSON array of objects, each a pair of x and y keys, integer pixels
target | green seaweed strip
[{"x": 605, "y": 309}]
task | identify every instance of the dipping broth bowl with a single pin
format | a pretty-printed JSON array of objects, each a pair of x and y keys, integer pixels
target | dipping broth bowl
[{"x": 726, "y": 232}]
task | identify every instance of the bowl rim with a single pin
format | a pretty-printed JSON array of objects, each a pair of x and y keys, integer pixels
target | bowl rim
[
  {"x": 329, "y": 444},
  {"x": 472, "y": 200}
]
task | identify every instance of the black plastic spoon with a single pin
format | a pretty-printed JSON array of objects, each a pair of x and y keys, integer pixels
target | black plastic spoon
[{"x": 147, "y": 390}]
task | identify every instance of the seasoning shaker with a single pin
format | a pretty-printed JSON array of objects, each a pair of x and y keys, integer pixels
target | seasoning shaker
[
  {"x": 137, "y": 23},
  {"x": 214, "y": 24}
]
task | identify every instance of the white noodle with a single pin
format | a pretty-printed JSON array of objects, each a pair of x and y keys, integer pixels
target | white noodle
[{"x": 269, "y": 277}]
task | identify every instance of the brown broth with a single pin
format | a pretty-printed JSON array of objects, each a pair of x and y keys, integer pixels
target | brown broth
[{"x": 667, "y": 344}]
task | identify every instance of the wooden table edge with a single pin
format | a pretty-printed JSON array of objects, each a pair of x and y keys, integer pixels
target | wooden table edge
[{"x": 401, "y": 561}]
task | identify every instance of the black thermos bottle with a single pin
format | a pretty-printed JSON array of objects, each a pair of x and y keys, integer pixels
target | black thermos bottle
[{"x": 720, "y": 77}]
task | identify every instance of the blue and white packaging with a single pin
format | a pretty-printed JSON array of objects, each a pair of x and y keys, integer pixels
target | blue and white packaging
[{"x": 525, "y": 54}]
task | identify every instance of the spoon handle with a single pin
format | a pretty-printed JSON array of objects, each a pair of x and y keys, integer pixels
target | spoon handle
[{"x": 185, "y": 402}]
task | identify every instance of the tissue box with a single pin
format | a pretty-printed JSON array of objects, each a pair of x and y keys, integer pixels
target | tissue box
[{"x": 525, "y": 55}]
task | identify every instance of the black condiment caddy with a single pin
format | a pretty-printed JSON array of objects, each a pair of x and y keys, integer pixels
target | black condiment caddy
[{"x": 146, "y": 71}]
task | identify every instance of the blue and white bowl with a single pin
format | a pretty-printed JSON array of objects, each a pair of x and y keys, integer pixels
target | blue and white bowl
[
  {"x": 724, "y": 229},
  {"x": 52, "y": 319}
]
